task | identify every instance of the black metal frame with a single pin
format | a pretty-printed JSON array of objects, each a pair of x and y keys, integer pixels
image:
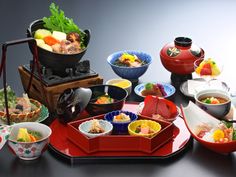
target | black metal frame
[{"x": 3, "y": 68}]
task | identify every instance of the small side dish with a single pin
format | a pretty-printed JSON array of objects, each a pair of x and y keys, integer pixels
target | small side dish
[
  {"x": 96, "y": 127},
  {"x": 123, "y": 83},
  {"x": 122, "y": 117},
  {"x": 27, "y": 135},
  {"x": 129, "y": 60},
  {"x": 145, "y": 128},
  {"x": 28, "y": 140},
  {"x": 154, "y": 89},
  {"x": 120, "y": 121}
]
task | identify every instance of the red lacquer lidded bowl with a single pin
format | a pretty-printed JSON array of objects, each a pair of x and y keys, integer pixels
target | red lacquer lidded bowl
[{"x": 178, "y": 57}]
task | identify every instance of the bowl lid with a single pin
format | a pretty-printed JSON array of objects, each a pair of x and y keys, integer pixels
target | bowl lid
[
  {"x": 71, "y": 103},
  {"x": 181, "y": 50}
]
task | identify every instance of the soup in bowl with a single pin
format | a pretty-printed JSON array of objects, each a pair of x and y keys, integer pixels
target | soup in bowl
[{"x": 215, "y": 102}]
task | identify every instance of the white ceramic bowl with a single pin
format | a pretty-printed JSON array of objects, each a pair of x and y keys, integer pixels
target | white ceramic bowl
[
  {"x": 128, "y": 88},
  {"x": 25, "y": 150},
  {"x": 85, "y": 127},
  {"x": 217, "y": 110}
]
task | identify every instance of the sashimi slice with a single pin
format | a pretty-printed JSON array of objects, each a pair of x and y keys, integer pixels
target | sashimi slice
[
  {"x": 150, "y": 106},
  {"x": 163, "y": 109},
  {"x": 155, "y": 105}
]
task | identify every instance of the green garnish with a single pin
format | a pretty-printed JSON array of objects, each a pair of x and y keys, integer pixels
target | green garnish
[
  {"x": 227, "y": 124},
  {"x": 234, "y": 135},
  {"x": 36, "y": 134},
  {"x": 207, "y": 100},
  {"x": 20, "y": 140},
  {"x": 59, "y": 22},
  {"x": 11, "y": 96},
  {"x": 149, "y": 86}
]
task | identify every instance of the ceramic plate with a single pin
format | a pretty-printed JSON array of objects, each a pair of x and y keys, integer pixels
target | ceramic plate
[
  {"x": 200, "y": 84},
  {"x": 169, "y": 89},
  {"x": 43, "y": 115}
]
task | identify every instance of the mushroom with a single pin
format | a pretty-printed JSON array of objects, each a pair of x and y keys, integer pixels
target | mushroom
[{"x": 73, "y": 37}]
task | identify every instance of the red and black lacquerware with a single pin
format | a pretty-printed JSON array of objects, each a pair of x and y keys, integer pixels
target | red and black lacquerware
[
  {"x": 179, "y": 56},
  {"x": 57, "y": 62},
  {"x": 118, "y": 94},
  {"x": 71, "y": 103},
  {"x": 73, "y": 152}
]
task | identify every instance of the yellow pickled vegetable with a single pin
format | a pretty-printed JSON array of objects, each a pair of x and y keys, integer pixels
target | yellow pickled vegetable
[
  {"x": 23, "y": 135},
  {"x": 122, "y": 84}
]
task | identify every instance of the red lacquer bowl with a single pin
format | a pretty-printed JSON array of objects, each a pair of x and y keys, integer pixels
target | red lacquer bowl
[{"x": 179, "y": 56}]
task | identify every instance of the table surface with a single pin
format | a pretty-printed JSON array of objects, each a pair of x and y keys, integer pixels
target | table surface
[{"x": 118, "y": 25}]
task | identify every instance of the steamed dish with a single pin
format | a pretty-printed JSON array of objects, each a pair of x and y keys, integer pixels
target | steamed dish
[
  {"x": 208, "y": 67},
  {"x": 129, "y": 60},
  {"x": 29, "y": 136},
  {"x": 222, "y": 133},
  {"x": 122, "y": 117},
  {"x": 154, "y": 89},
  {"x": 95, "y": 127},
  {"x": 213, "y": 100},
  {"x": 61, "y": 34}
]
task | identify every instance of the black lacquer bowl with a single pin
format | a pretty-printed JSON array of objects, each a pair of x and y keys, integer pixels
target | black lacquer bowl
[
  {"x": 57, "y": 62},
  {"x": 118, "y": 94}
]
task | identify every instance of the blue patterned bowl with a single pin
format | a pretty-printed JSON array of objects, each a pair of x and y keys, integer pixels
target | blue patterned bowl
[
  {"x": 120, "y": 127},
  {"x": 128, "y": 72}
]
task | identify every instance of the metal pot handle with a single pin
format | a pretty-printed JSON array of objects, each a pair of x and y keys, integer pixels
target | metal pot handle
[{"x": 3, "y": 68}]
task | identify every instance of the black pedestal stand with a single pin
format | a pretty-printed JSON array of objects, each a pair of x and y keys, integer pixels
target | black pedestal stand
[{"x": 177, "y": 79}]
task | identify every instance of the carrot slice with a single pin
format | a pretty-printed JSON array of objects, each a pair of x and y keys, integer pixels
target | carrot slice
[
  {"x": 32, "y": 138},
  {"x": 49, "y": 40}
]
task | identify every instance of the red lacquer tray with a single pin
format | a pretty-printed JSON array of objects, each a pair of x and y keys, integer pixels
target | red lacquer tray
[
  {"x": 65, "y": 149},
  {"x": 119, "y": 142}
]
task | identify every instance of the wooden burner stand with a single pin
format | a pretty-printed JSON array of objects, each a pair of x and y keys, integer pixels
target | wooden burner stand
[{"x": 53, "y": 92}]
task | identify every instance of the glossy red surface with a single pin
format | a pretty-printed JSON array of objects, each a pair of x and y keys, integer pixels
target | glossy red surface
[
  {"x": 179, "y": 59},
  {"x": 119, "y": 142},
  {"x": 60, "y": 142},
  {"x": 216, "y": 147}
]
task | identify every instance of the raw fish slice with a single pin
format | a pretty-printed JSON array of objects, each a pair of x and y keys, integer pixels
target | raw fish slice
[
  {"x": 155, "y": 105},
  {"x": 163, "y": 109},
  {"x": 150, "y": 106}
]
